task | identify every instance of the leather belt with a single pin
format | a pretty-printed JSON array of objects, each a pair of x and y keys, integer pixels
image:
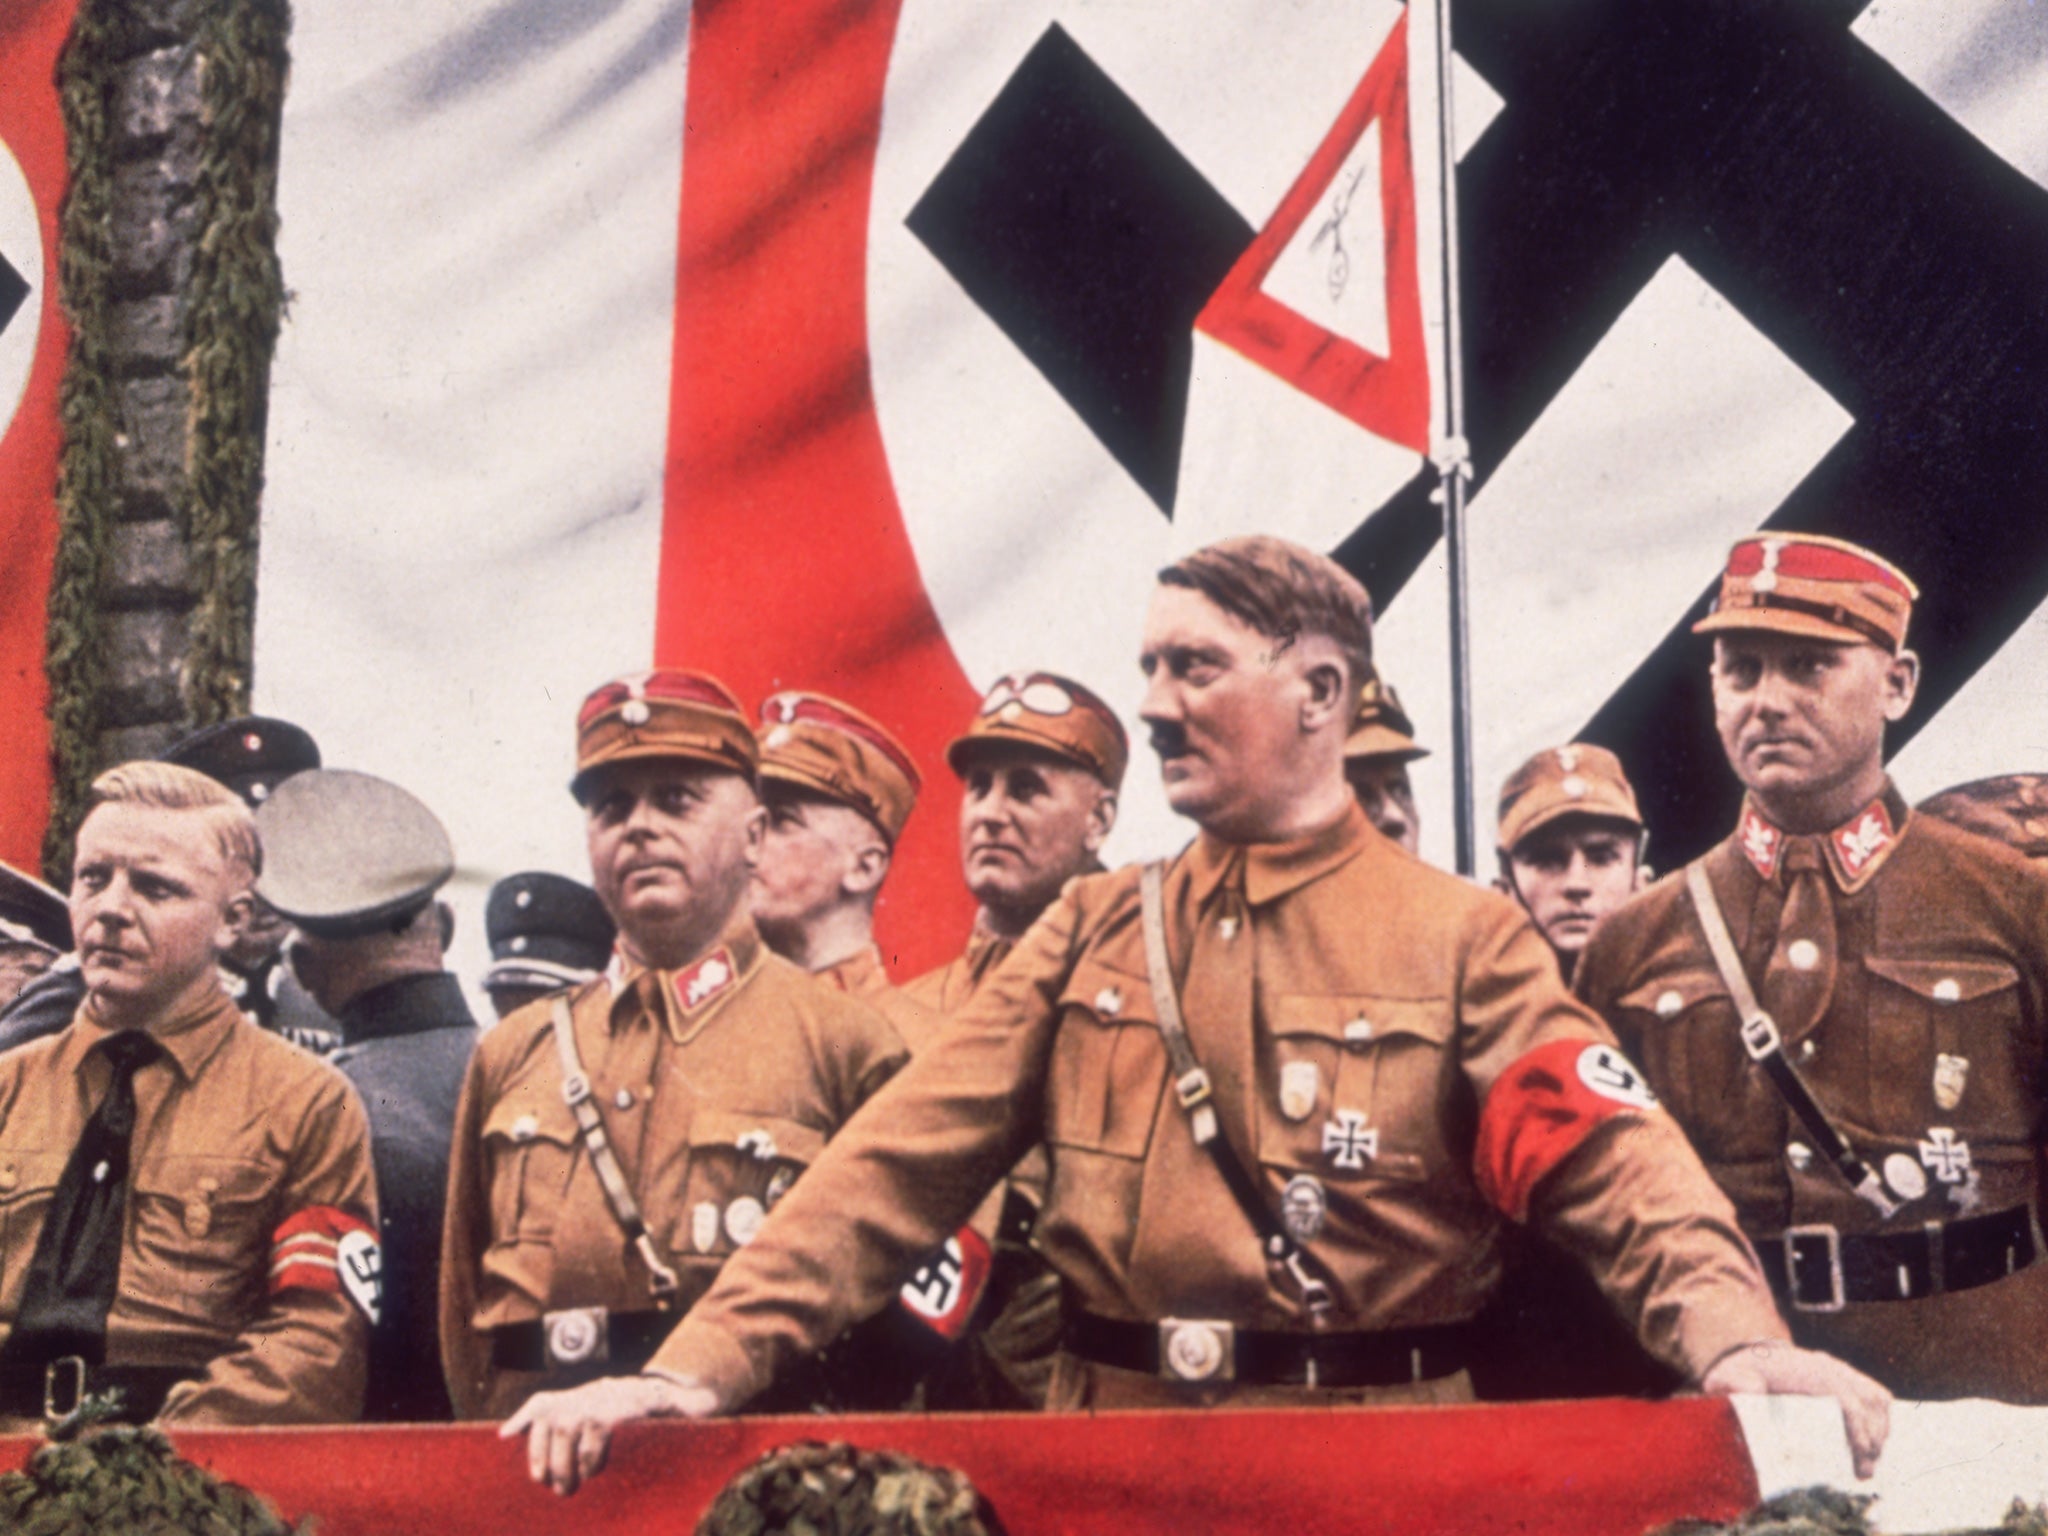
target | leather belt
[
  {"x": 1820, "y": 1268},
  {"x": 580, "y": 1336},
  {"x": 1199, "y": 1350},
  {"x": 55, "y": 1390}
]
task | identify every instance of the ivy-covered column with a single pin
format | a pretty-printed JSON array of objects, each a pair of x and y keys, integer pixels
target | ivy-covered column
[{"x": 170, "y": 282}]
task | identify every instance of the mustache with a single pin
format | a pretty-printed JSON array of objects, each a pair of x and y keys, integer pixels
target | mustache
[{"x": 1169, "y": 739}]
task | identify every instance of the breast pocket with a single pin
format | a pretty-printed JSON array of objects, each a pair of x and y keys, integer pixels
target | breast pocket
[
  {"x": 1358, "y": 1086},
  {"x": 530, "y": 1147},
  {"x": 741, "y": 1164},
  {"x": 28, "y": 1182},
  {"x": 1109, "y": 1065},
  {"x": 1942, "y": 1046},
  {"x": 202, "y": 1226}
]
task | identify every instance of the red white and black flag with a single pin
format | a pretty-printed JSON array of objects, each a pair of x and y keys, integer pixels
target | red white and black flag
[{"x": 886, "y": 347}]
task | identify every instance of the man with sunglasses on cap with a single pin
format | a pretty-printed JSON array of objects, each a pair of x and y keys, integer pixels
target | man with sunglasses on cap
[
  {"x": 1845, "y": 1002},
  {"x": 1040, "y": 766},
  {"x": 1376, "y": 757},
  {"x": 1291, "y": 1082},
  {"x": 617, "y": 1143},
  {"x": 1570, "y": 844}
]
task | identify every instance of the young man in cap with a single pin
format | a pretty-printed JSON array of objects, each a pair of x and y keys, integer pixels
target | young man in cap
[
  {"x": 1570, "y": 843},
  {"x": 837, "y": 788},
  {"x": 1376, "y": 757},
  {"x": 546, "y": 932},
  {"x": 352, "y": 863},
  {"x": 191, "y": 1213},
  {"x": 1040, "y": 766},
  {"x": 1369, "y": 1047},
  {"x": 711, "y": 1072},
  {"x": 1843, "y": 1003}
]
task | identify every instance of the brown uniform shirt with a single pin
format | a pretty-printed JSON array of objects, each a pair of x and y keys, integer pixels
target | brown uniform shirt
[
  {"x": 1935, "y": 1036},
  {"x": 718, "y": 1085},
  {"x": 862, "y": 975},
  {"x": 1336, "y": 986},
  {"x": 949, "y": 987},
  {"x": 239, "y": 1137}
]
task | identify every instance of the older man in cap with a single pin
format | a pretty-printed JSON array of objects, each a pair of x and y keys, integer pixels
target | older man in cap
[
  {"x": 1845, "y": 1003},
  {"x": 1291, "y": 1080},
  {"x": 707, "y": 1073},
  {"x": 1040, "y": 766},
  {"x": 1570, "y": 843},
  {"x": 352, "y": 863},
  {"x": 546, "y": 932},
  {"x": 1376, "y": 757},
  {"x": 191, "y": 1219}
]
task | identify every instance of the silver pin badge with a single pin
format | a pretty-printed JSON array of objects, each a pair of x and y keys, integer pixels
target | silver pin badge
[
  {"x": 1226, "y": 928},
  {"x": 1951, "y": 1077},
  {"x": 778, "y": 1185},
  {"x": 704, "y": 1226},
  {"x": 1304, "y": 1207},
  {"x": 1906, "y": 1178},
  {"x": 1300, "y": 1086},
  {"x": 743, "y": 1219}
]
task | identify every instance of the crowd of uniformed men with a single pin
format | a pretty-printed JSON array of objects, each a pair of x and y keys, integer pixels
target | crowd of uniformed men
[{"x": 1266, "y": 1121}]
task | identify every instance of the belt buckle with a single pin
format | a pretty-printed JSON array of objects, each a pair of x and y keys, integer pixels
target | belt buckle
[
  {"x": 55, "y": 1372},
  {"x": 576, "y": 1336},
  {"x": 1832, "y": 1237},
  {"x": 1197, "y": 1349},
  {"x": 1760, "y": 1036}
]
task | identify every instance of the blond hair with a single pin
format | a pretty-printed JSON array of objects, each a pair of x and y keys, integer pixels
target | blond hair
[{"x": 171, "y": 787}]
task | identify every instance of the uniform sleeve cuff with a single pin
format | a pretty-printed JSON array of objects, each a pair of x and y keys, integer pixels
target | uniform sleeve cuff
[
  {"x": 695, "y": 1355},
  {"x": 1706, "y": 1344}
]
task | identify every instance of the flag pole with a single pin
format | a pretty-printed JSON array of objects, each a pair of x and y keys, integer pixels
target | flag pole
[{"x": 1454, "y": 467}]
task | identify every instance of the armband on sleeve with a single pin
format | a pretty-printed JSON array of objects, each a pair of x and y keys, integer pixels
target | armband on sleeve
[
  {"x": 324, "y": 1248},
  {"x": 1542, "y": 1108}
]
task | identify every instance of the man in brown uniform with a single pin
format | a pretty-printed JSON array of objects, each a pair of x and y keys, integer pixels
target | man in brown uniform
[
  {"x": 1570, "y": 843},
  {"x": 838, "y": 789},
  {"x": 1376, "y": 757},
  {"x": 714, "y": 1071},
  {"x": 1873, "y": 1107},
  {"x": 189, "y": 1214},
  {"x": 1386, "y": 1051},
  {"x": 1040, "y": 766}
]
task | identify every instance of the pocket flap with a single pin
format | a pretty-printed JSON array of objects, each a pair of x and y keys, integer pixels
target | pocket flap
[
  {"x": 209, "y": 1180},
  {"x": 1669, "y": 996},
  {"x": 1945, "y": 981},
  {"x": 766, "y": 1137},
  {"x": 520, "y": 1118},
  {"x": 1109, "y": 997},
  {"x": 1358, "y": 1021}
]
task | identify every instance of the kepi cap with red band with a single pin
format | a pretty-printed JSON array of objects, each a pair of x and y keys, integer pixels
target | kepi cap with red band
[
  {"x": 1053, "y": 714},
  {"x": 1821, "y": 588},
  {"x": 832, "y": 749},
  {"x": 662, "y": 714},
  {"x": 1575, "y": 780},
  {"x": 1381, "y": 727}
]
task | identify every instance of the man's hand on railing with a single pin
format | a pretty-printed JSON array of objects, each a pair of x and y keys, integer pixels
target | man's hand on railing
[
  {"x": 1786, "y": 1368},
  {"x": 568, "y": 1434}
]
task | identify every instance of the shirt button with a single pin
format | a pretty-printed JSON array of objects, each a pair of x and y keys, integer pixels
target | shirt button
[
  {"x": 1806, "y": 1050},
  {"x": 1948, "y": 990},
  {"x": 1799, "y": 1155},
  {"x": 1803, "y": 953},
  {"x": 1669, "y": 1003},
  {"x": 623, "y": 1098}
]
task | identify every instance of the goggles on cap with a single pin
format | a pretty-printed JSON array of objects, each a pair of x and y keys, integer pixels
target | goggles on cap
[{"x": 1040, "y": 695}]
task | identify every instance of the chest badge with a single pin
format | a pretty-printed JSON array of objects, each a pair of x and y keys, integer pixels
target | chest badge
[
  {"x": 1300, "y": 1086},
  {"x": 1945, "y": 1155},
  {"x": 1951, "y": 1077},
  {"x": 199, "y": 1210},
  {"x": 778, "y": 1184},
  {"x": 743, "y": 1219},
  {"x": 1349, "y": 1141},
  {"x": 1304, "y": 1207},
  {"x": 704, "y": 1226}
]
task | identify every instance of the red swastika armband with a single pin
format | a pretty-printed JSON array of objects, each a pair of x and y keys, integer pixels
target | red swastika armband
[
  {"x": 324, "y": 1248},
  {"x": 943, "y": 1292},
  {"x": 1542, "y": 1108}
]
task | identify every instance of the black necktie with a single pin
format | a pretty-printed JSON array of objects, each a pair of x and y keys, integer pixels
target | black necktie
[{"x": 76, "y": 1268}]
